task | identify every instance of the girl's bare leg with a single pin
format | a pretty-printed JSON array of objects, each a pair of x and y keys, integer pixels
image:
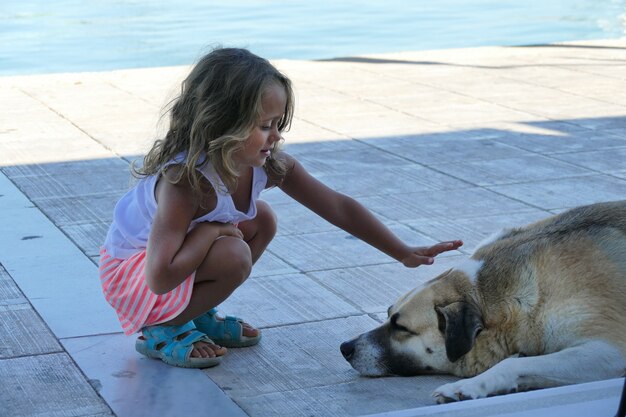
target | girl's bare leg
[
  {"x": 227, "y": 265},
  {"x": 260, "y": 231}
]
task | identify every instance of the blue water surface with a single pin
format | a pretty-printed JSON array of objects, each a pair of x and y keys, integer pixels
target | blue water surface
[{"x": 41, "y": 36}]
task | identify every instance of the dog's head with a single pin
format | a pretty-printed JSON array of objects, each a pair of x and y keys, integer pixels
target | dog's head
[{"x": 427, "y": 331}]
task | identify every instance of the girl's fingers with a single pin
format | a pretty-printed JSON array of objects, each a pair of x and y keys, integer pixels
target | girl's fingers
[{"x": 442, "y": 247}]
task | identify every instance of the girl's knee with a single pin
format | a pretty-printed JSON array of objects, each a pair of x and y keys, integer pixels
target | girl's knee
[
  {"x": 229, "y": 258},
  {"x": 238, "y": 259},
  {"x": 266, "y": 219}
]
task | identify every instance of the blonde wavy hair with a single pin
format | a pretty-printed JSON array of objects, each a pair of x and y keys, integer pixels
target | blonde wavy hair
[{"x": 218, "y": 107}]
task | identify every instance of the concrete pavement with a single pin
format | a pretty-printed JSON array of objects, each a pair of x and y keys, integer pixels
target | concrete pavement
[{"x": 439, "y": 144}]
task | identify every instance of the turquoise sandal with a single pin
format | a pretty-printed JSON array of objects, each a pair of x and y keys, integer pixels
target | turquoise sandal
[
  {"x": 174, "y": 350},
  {"x": 227, "y": 332}
]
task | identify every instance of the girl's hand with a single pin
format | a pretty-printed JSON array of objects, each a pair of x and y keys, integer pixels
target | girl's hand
[
  {"x": 425, "y": 255},
  {"x": 223, "y": 229}
]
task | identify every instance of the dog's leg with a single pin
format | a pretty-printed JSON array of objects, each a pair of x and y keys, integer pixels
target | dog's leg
[{"x": 590, "y": 361}]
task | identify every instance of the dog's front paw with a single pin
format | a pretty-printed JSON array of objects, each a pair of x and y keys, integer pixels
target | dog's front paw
[
  {"x": 473, "y": 388},
  {"x": 464, "y": 389}
]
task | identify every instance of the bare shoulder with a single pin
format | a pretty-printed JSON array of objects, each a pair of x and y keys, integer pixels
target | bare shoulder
[
  {"x": 175, "y": 186},
  {"x": 276, "y": 177},
  {"x": 296, "y": 176}
]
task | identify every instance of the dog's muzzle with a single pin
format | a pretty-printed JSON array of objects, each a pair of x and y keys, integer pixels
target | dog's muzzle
[{"x": 347, "y": 349}]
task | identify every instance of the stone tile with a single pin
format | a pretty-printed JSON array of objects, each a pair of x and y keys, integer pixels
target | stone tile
[
  {"x": 92, "y": 208},
  {"x": 329, "y": 250},
  {"x": 295, "y": 219},
  {"x": 396, "y": 143},
  {"x": 473, "y": 230},
  {"x": 445, "y": 204},
  {"x": 473, "y": 113},
  {"x": 453, "y": 150},
  {"x": 59, "y": 179},
  {"x": 363, "y": 125},
  {"x": 351, "y": 162},
  {"x": 131, "y": 114},
  {"x": 153, "y": 85},
  {"x": 43, "y": 261},
  {"x": 567, "y": 192},
  {"x": 285, "y": 299},
  {"x": 290, "y": 358},
  {"x": 606, "y": 160},
  {"x": 23, "y": 332},
  {"x": 89, "y": 237},
  {"x": 136, "y": 386},
  {"x": 621, "y": 174},
  {"x": 270, "y": 264},
  {"x": 374, "y": 288},
  {"x": 603, "y": 118},
  {"x": 360, "y": 397},
  {"x": 49, "y": 385},
  {"x": 512, "y": 170},
  {"x": 391, "y": 180},
  {"x": 598, "y": 398},
  {"x": 48, "y": 144},
  {"x": 302, "y": 131},
  {"x": 620, "y": 133},
  {"x": 361, "y": 182},
  {"x": 589, "y": 114},
  {"x": 576, "y": 141},
  {"x": 299, "y": 149}
]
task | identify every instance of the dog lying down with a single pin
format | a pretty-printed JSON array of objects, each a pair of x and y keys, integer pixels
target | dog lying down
[{"x": 534, "y": 307}]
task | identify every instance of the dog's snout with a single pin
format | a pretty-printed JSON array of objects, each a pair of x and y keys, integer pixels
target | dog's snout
[{"x": 347, "y": 349}]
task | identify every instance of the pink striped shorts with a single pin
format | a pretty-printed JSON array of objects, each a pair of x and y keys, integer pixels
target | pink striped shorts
[{"x": 124, "y": 286}]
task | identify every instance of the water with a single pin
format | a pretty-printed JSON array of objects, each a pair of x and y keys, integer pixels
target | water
[{"x": 41, "y": 36}]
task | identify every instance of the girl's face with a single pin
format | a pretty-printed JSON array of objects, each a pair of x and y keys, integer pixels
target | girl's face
[{"x": 260, "y": 143}]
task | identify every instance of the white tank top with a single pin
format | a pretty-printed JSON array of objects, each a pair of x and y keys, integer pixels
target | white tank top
[{"x": 134, "y": 212}]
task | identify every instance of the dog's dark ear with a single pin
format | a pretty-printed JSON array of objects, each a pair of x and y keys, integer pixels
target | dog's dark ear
[{"x": 460, "y": 323}]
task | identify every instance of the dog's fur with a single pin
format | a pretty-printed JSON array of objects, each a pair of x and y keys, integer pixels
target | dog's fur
[{"x": 534, "y": 307}]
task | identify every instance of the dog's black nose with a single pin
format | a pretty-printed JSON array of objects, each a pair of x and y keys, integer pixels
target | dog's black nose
[{"x": 347, "y": 349}]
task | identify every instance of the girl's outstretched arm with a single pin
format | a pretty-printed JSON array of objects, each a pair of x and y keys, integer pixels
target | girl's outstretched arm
[{"x": 351, "y": 216}]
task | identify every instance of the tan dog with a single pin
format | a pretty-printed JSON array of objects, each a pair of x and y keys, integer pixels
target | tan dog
[{"x": 534, "y": 307}]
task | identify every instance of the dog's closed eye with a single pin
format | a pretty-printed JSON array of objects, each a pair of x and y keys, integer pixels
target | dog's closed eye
[{"x": 397, "y": 326}]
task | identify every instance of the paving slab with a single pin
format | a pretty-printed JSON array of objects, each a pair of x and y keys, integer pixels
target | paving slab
[
  {"x": 23, "y": 332},
  {"x": 54, "y": 274},
  {"x": 474, "y": 230},
  {"x": 374, "y": 288},
  {"x": 320, "y": 382},
  {"x": 47, "y": 385},
  {"x": 137, "y": 386},
  {"x": 328, "y": 250},
  {"x": 466, "y": 203},
  {"x": 598, "y": 398},
  {"x": 566, "y": 192}
]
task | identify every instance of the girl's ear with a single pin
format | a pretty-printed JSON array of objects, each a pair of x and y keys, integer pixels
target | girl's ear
[{"x": 460, "y": 323}]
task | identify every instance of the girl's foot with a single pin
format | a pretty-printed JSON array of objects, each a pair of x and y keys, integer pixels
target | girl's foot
[
  {"x": 227, "y": 331},
  {"x": 207, "y": 350},
  {"x": 247, "y": 329},
  {"x": 200, "y": 349},
  {"x": 181, "y": 346}
]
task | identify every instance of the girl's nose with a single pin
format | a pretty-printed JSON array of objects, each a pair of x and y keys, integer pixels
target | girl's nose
[{"x": 275, "y": 135}]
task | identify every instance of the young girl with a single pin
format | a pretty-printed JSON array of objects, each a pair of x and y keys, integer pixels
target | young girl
[{"x": 186, "y": 236}]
